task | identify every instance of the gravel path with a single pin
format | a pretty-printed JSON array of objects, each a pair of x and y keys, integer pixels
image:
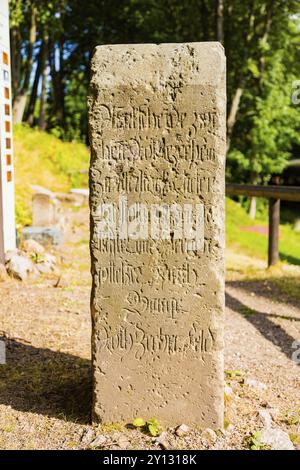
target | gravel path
[{"x": 45, "y": 385}]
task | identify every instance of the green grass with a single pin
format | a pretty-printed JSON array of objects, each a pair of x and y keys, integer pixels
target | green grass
[
  {"x": 44, "y": 160},
  {"x": 256, "y": 244}
]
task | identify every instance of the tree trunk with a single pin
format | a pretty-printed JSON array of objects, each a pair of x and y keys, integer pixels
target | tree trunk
[
  {"x": 61, "y": 85},
  {"x": 21, "y": 90},
  {"x": 253, "y": 200},
  {"x": 29, "y": 116},
  {"x": 19, "y": 107},
  {"x": 16, "y": 59},
  {"x": 267, "y": 29},
  {"x": 204, "y": 19},
  {"x": 220, "y": 20},
  {"x": 252, "y": 208},
  {"x": 232, "y": 118},
  {"x": 57, "y": 84},
  {"x": 42, "y": 114}
]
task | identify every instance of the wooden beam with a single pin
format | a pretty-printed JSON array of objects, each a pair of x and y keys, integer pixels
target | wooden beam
[{"x": 285, "y": 193}]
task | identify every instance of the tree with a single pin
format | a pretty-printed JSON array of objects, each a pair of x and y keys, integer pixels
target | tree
[{"x": 53, "y": 42}]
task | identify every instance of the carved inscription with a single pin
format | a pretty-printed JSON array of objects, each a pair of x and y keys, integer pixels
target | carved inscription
[
  {"x": 157, "y": 230},
  {"x": 128, "y": 339}
]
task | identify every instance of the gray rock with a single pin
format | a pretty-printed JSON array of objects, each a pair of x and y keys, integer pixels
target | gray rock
[
  {"x": 255, "y": 384},
  {"x": 273, "y": 436},
  {"x": 228, "y": 391},
  {"x": 47, "y": 264},
  {"x": 20, "y": 267},
  {"x": 87, "y": 436},
  {"x": 123, "y": 442},
  {"x": 265, "y": 417},
  {"x": 10, "y": 254},
  {"x": 162, "y": 440},
  {"x": 209, "y": 435},
  {"x": 43, "y": 235},
  {"x": 276, "y": 439},
  {"x": 182, "y": 430},
  {"x": 32, "y": 246},
  {"x": 99, "y": 441}
]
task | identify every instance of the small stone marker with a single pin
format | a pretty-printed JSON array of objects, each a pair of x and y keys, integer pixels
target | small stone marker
[
  {"x": 45, "y": 210},
  {"x": 157, "y": 128}
]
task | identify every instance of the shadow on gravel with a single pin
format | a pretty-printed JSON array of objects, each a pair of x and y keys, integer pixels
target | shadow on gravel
[
  {"x": 46, "y": 382},
  {"x": 269, "y": 288},
  {"x": 262, "y": 321}
]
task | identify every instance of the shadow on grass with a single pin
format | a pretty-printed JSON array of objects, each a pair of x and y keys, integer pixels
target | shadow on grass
[
  {"x": 289, "y": 259},
  {"x": 263, "y": 323},
  {"x": 46, "y": 382}
]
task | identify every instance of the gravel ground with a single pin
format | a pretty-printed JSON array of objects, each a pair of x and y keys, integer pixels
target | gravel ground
[{"x": 45, "y": 387}]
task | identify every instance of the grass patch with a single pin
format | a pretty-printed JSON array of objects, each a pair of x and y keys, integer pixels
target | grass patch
[
  {"x": 256, "y": 244},
  {"x": 289, "y": 285},
  {"x": 108, "y": 428},
  {"x": 44, "y": 160}
]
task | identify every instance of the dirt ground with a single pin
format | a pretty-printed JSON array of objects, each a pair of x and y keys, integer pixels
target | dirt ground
[{"x": 45, "y": 387}]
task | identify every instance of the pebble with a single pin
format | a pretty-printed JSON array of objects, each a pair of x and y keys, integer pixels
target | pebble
[
  {"x": 87, "y": 436},
  {"x": 20, "y": 267},
  {"x": 255, "y": 384},
  {"x": 276, "y": 439},
  {"x": 123, "y": 442},
  {"x": 162, "y": 440},
  {"x": 32, "y": 246},
  {"x": 273, "y": 436},
  {"x": 209, "y": 435},
  {"x": 182, "y": 430},
  {"x": 99, "y": 441},
  {"x": 228, "y": 391},
  {"x": 265, "y": 417}
]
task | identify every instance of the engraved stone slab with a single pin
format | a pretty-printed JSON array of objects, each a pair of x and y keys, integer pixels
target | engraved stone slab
[
  {"x": 46, "y": 210},
  {"x": 157, "y": 129}
]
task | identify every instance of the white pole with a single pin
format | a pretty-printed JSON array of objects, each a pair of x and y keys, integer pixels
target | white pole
[{"x": 7, "y": 197}]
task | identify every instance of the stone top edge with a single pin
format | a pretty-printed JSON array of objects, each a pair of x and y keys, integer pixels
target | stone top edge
[
  {"x": 190, "y": 63},
  {"x": 162, "y": 45}
]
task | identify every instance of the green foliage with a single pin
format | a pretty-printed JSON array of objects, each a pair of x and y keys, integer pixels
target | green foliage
[
  {"x": 240, "y": 238},
  {"x": 151, "y": 425},
  {"x": 254, "y": 441},
  {"x": 139, "y": 423},
  {"x": 41, "y": 159},
  {"x": 234, "y": 373},
  {"x": 294, "y": 419},
  {"x": 261, "y": 42}
]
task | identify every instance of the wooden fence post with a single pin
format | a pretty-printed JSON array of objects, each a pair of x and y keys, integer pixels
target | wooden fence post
[{"x": 274, "y": 220}]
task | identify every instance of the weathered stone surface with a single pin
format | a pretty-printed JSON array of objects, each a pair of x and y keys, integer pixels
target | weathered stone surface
[
  {"x": 20, "y": 267},
  {"x": 32, "y": 246},
  {"x": 46, "y": 210},
  {"x": 157, "y": 128},
  {"x": 43, "y": 235},
  {"x": 46, "y": 263}
]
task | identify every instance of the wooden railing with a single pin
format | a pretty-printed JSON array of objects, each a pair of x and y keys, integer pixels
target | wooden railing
[{"x": 274, "y": 194}]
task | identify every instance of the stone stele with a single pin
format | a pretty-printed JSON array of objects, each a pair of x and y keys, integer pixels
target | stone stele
[{"x": 157, "y": 133}]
